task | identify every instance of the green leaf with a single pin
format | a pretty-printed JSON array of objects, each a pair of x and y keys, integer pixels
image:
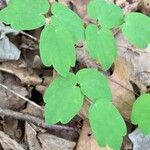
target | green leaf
[
  {"x": 141, "y": 113},
  {"x": 57, "y": 49},
  {"x": 137, "y": 29},
  {"x": 108, "y": 15},
  {"x": 101, "y": 45},
  {"x": 63, "y": 16},
  {"x": 94, "y": 84},
  {"x": 63, "y": 100},
  {"x": 107, "y": 124},
  {"x": 25, "y": 15}
]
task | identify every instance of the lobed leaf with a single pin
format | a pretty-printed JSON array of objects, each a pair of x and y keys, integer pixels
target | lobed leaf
[
  {"x": 107, "y": 124},
  {"x": 137, "y": 29},
  {"x": 108, "y": 15},
  {"x": 141, "y": 113},
  {"x": 101, "y": 45},
  {"x": 25, "y": 15},
  {"x": 57, "y": 49},
  {"x": 94, "y": 84},
  {"x": 63, "y": 16},
  {"x": 63, "y": 100}
]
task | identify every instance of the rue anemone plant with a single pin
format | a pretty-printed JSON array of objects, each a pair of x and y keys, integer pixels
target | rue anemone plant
[{"x": 65, "y": 95}]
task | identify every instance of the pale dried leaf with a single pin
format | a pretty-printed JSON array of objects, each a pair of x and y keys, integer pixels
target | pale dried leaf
[
  {"x": 9, "y": 144},
  {"x": 139, "y": 140},
  {"x": 27, "y": 77},
  {"x": 8, "y": 51},
  {"x": 32, "y": 110},
  {"x": 11, "y": 127},
  {"x": 87, "y": 141},
  {"x": 145, "y": 6},
  {"x": 51, "y": 142},
  {"x": 123, "y": 97},
  {"x": 37, "y": 138},
  {"x": 6, "y": 30},
  {"x": 31, "y": 137},
  {"x": 9, "y": 100},
  {"x": 137, "y": 58}
]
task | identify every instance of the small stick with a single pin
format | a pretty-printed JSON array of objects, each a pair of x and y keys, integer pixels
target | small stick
[
  {"x": 35, "y": 120},
  {"x": 22, "y": 97},
  {"x": 30, "y": 36}
]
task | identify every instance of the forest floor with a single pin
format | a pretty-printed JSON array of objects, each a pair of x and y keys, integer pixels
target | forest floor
[{"x": 23, "y": 80}]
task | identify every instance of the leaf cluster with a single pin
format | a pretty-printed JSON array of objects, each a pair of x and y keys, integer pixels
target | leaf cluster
[{"x": 65, "y": 95}]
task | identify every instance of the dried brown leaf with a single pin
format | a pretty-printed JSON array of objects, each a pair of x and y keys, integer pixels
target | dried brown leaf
[
  {"x": 9, "y": 144},
  {"x": 123, "y": 96},
  {"x": 27, "y": 77},
  {"x": 87, "y": 141}
]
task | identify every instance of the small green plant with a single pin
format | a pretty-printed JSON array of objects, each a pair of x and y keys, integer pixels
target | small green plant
[
  {"x": 140, "y": 113},
  {"x": 65, "y": 95}
]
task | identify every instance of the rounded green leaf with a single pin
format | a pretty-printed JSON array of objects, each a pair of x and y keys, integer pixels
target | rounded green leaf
[
  {"x": 137, "y": 29},
  {"x": 94, "y": 84},
  {"x": 63, "y": 100},
  {"x": 141, "y": 113},
  {"x": 57, "y": 49},
  {"x": 70, "y": 20},
  {"x": 108, "y": 15},
  {"x": 101, "y": 45},
  {"x": 107, "y": 124},
  {"x": 25, "y": 15}
]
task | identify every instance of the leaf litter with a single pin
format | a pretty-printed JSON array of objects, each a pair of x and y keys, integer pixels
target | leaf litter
[{"x": 26, "y": 80}]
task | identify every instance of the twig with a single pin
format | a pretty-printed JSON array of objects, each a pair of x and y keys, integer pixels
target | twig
[
  {"x": 22, "y": 97},
  {"x": 30, "y": 36},
  {"x": 35, "y": 120}
]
